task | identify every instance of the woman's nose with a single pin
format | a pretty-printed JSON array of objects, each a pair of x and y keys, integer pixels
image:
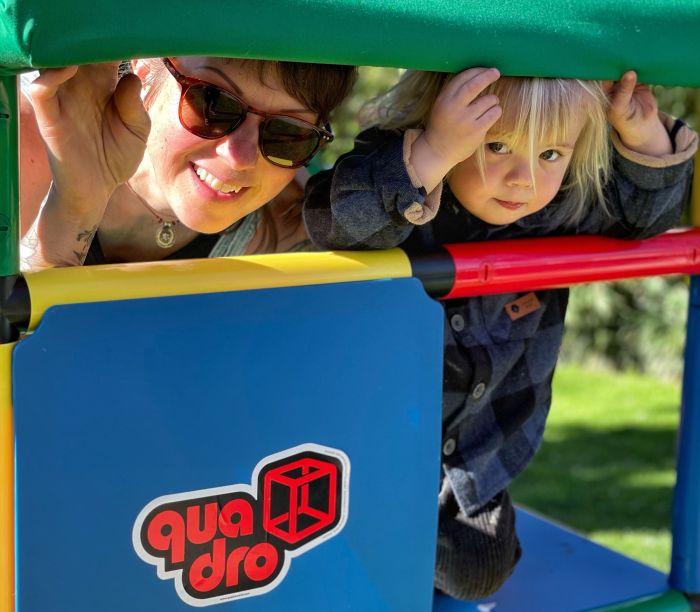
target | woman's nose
[
  {"x": 520, "y": 175},
  {"x": 240, "y": 148}
]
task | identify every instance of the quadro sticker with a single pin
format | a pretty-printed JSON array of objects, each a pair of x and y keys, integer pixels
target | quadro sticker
[{"x": 238, "y": 541}]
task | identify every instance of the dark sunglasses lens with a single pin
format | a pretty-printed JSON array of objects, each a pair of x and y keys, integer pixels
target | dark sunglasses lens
[
  {"x": 210, "y": 112},
  {"x": 288, "y": 143}
]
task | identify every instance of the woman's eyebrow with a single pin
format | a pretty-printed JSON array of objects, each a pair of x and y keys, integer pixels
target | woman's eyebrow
[
  {"x": 223, "y": 75},
  {"x": 237, "y": 89}
]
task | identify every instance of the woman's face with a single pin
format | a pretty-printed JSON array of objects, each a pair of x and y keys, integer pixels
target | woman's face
[{"x": 178, "y": 158}]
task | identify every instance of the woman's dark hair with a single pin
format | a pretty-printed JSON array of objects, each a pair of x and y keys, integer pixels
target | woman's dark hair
[{"x": 319, "y": 87}]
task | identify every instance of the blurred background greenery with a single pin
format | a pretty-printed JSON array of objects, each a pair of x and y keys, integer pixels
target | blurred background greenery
[
  {"x": 371, "y": 82},
  {"x": 606, "y": 466}
]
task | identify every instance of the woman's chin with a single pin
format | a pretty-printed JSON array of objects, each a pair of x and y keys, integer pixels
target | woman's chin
[
  {"x": 207, "y": 223},
  {"x": 206, "y": 226}
]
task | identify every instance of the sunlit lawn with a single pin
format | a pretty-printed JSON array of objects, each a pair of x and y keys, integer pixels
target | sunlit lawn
[{"x": 607, "y": 463}]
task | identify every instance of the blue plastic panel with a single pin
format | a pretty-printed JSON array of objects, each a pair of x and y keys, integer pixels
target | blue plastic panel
[
  {"x": 118, "y": 404},
  {"x": 685, "y": 558},
  {"x": 561, "y": 571}
]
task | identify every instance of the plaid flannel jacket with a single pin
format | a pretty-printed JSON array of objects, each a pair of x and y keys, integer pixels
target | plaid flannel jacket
[{"x": 497, "y": 371}]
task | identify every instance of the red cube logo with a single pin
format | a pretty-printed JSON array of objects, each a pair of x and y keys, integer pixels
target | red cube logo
[{"x": 300, "y": 499}]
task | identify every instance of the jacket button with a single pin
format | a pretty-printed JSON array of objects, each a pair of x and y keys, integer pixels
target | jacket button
[
  {"x": 457, "y": 322},
  {"x": 478, "y": 390},
  {"x": 449, "y": 446}
]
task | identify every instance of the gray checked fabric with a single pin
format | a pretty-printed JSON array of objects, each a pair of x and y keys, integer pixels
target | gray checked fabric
[{"x": 497, "y": 372}]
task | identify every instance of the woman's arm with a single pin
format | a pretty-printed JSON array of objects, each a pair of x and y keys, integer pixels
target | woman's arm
[
  {"x": 34, "y": 171},
  {"x": 94, "y": 129}
]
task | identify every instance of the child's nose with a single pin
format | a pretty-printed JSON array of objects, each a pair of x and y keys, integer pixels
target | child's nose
[
  {"x": 240, "y": 148},
  {"x": 520, "y": 175}
]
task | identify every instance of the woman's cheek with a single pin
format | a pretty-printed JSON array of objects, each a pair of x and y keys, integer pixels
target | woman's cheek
[{"x": 276, "y": 180}]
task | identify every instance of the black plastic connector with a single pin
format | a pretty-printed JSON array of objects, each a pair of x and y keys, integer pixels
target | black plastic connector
[
  {"x": 8, "y": 332},
  {"x": 436, "y": 270},
  {"x": 15, "y": 307}
]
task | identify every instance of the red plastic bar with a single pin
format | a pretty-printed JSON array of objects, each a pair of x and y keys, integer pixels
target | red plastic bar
[{"x": 547, "y": 263}]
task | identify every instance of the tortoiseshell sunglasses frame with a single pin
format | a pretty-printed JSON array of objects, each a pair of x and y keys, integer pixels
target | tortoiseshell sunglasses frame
[{"x": 325, "y": 135}]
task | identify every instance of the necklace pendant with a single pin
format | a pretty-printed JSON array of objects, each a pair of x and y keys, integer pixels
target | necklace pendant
[{"x": 165, "y": 236}]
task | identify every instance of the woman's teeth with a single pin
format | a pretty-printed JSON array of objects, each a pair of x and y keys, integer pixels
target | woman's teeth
[{"x": 215, "y": 183}]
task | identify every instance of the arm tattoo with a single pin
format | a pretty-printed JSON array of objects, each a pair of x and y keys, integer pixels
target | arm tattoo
[
  {"x": 86, "y": 237},
  {"x": 30, "y": 253},
  {"x": 28, "y": 249},
  {"x": 29, "y": 259}
]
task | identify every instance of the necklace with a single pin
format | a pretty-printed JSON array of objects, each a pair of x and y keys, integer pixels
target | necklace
[{"x": 165, "y": 235}]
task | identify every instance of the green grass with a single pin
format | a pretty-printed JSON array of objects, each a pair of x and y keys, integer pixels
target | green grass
[{"x": 606, "y": 466}]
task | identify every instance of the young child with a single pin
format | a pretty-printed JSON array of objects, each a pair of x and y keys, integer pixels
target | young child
[{"x": 476, "y": 157}]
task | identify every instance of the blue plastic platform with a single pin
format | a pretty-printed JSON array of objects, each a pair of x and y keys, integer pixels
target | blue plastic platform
[
  {"x": 561, "y": 571},
  {"x": 130, "y": 413}
]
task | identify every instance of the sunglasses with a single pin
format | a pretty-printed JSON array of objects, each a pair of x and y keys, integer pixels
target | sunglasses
[{"x": 211, "y": 112}]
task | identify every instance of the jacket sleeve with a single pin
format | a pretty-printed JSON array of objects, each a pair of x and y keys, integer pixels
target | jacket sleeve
[
  {"x": 646, "y": 195},
  {"x": 372, "y": 198}
]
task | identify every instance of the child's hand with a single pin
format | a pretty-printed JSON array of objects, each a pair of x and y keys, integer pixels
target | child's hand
[
  {"x": 458, "y": 124},
  {"x": 634, "y": 114},
  {"x": 459, "y": 120}
]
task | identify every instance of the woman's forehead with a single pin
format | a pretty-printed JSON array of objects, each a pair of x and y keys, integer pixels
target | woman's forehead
[
  {"x": 244, "y": 78},
  {"x": 231, "y": 69}
]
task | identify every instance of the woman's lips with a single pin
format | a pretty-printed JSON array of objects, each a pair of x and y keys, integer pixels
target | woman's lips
[{"x": 510, "y": 205}]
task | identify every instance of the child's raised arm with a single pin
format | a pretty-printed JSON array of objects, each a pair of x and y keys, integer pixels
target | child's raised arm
[
  {"x": 652, "y": 166},
  {"x": 635, "y": 116},
  {"x": 458, "y": 124},
  {"x": 388, "y": 183}
]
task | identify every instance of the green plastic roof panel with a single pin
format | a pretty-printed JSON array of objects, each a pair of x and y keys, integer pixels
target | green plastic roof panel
[{"x": 567, "y": 38}]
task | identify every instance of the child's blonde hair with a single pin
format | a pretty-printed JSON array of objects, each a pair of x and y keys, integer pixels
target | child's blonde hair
[{"x": 534, "y": 109}]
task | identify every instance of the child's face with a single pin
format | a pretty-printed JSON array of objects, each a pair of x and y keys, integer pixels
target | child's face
[{"x": 508, "y": 194}]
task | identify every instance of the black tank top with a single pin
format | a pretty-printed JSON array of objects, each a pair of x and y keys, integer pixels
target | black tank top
[{"x": 199, "y": 248}]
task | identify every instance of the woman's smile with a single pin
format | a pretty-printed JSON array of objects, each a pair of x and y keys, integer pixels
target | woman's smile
[
  {"x": 208, "y": 186},
  {"x": 215, "y": 183}
]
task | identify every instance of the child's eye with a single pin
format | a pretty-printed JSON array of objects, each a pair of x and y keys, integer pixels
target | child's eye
[
  {"x": 499, "y": 147},
  {"x": 550, "y": 155}
]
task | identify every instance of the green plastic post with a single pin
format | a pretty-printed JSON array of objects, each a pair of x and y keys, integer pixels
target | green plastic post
[
  {"x": 9, "y": 176},
  {"x": 669, "y": 601}
]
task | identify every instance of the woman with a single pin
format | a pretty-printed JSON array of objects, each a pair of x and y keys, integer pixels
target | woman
[{"x": 170, "y": 162}]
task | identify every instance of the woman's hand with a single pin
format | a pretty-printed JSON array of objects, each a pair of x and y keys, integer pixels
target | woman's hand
[
  {"x": 94, "y": 128},
  {"x": 635, "y": 116},
  {"x": 458, "y": 124}
]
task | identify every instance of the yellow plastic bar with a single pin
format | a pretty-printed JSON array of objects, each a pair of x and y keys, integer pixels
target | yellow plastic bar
[
  {"x": 695, "y": 196},
  {"x": 7, "y": 484},
  {"x": 158, "y": 279}
]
